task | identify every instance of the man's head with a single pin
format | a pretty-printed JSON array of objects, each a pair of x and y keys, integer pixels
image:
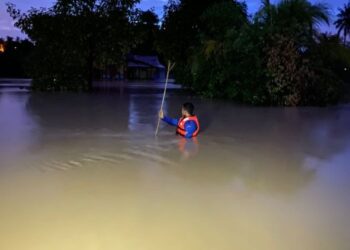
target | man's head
[{"x": 187, "y": 109}]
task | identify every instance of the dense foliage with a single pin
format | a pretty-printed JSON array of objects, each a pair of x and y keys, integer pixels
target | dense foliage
[
  {"x": 73, "y": 38},
  {"x": 343, "y": 21},
  {"x": 277, "y": 56}
]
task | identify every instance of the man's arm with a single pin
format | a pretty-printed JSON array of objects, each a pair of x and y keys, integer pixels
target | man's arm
[{"x": 171, "y": 121}]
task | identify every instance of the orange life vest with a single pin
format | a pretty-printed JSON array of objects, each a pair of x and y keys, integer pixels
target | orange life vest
[{"x": 181, "y": 125}]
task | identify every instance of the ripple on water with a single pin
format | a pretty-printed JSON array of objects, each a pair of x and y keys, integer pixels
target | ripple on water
[
  {"x": 149, "y": 152},
  {"x": 139, "y": 148},
  {"x": 143, "y": 154}
]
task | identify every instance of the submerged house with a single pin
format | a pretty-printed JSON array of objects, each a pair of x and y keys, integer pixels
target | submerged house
[
  {"x": 144, "y": 68},
  {"x": 136, "y": 67}
]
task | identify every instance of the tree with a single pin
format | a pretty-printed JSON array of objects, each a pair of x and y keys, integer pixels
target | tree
[
  {"x": 146, "y": 32},
  {"x": 289, "y": 72},
  {"x": 264, "y": 14},
  {"x": 298, "y": 19},
  {"x": 294, "y": 72},
  {"x": 271, "y": 59},
  {"x": 74, "y": 37},
  {"x": 343, "y": 21},
  {"x": 180, "y": 26},
  {"x": 227, "y": 62},
  {"x": 179, "y": 36}
]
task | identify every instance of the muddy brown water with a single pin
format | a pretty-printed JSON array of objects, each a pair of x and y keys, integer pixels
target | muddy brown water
[{"x": 85, "y": 171}]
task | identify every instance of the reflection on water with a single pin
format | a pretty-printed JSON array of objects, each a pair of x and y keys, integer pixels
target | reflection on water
[
  {"x": 84, "y": 171},
  {"x": 141, "y": 111},
  {"x": 188, "y": 148},
  {"x": 16, "y": 126}
]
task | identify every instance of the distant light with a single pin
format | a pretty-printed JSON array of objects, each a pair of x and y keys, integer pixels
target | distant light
[
  {"x": 345, "y": 69},
  {"x": 15, "y": 47},
  {"x": 2, "y": 48}
]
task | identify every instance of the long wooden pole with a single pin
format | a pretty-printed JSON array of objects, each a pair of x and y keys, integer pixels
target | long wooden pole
[{"x": 170, "y": 67}]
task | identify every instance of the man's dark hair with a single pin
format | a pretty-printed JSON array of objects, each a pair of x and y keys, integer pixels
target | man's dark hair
[{"x": 189, "y": 107}]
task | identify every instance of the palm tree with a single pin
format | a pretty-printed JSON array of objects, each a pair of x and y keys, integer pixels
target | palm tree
[
  {"x": 301, "y": 14},
  {"x": 264, "y": 15},
  {"x": 343, "y": 21},
  {"x": 294, "y": 17}
]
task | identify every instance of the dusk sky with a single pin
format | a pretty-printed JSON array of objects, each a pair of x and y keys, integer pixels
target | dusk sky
[{"x": 7, "y": 28}]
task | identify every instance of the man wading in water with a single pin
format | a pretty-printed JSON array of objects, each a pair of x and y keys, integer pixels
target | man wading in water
[{"x": 187, "y": 125}]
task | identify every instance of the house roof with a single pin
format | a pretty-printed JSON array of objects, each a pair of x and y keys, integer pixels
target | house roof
[
  {"x": 137, "y": 65},
  {"x": 144, "y": 62}
]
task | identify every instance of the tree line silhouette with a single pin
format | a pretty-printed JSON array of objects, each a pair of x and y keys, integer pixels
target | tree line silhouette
[{"x": 277, "y": 56}]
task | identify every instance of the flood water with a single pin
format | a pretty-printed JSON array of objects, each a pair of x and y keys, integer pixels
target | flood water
[{"x": 85, "y": 171}]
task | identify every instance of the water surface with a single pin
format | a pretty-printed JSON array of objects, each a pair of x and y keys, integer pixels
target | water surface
[{"x": 85, "y": 171}]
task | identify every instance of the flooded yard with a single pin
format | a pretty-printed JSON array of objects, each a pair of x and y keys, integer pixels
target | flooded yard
[{"x": 85, "y": 171}]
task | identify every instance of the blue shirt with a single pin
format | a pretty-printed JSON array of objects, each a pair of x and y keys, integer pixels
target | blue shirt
[{"x": 190, "y": 126}]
